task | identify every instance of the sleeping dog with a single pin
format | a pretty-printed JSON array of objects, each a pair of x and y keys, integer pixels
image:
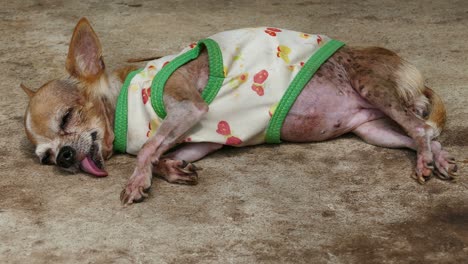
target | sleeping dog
[{"x": 240, "y": 87}]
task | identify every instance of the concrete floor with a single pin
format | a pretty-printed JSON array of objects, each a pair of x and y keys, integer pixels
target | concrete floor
[{"x": 340, "y": 201}]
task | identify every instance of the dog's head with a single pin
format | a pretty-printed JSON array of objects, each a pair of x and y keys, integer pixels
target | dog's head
[{"x": 70, "y": 121}]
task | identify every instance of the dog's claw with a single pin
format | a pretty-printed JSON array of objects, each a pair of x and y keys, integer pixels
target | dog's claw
[
  {"x": 122, "y": 196},
  {"x": 196, "y": 168},
  {"x": 430, "y": 165},
  {"x": 427, "y": 178},
  {"x": 443, "y": 175},
  {"x": 421, "y": 178},
  {"x": 143, "y": 192},
  {"x": 128, "y": 199},
  {"x": 189, "y": 167},
  {"x": 125, "y": 198},
  {"x": 137, "y": 187}
]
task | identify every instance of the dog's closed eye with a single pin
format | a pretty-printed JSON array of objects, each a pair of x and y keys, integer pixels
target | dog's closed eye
[{"x": 66, "y": 118}]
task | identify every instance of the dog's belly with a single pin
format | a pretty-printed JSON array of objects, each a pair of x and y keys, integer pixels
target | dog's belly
[{"x": 326, "y": 108}]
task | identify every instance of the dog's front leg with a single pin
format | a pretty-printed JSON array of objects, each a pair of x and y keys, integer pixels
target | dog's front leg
[{"x": 185, "y": 108}]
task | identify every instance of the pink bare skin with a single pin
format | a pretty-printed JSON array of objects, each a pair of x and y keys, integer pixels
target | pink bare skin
[{"x": 370, "y": 92}]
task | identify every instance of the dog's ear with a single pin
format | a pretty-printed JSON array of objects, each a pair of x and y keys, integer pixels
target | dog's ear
[
  {"x": 28, "y": 91},
  {"x": 84, "y": 60}
]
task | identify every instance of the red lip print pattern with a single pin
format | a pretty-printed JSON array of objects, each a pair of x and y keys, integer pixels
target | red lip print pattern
[
  {"x": 148, "y": 133},
  {"x": 152, "y": 127},
  {"x": 146, "y": 93},
  {"x": 258, "y": 89},
  {"x": 233, "y": 141},
  {"x": 225, "y": 130},
  {"x": 319, "y": 39},
  {"x": 272, "y": 31},
  {"x": 259, "y": 79}
]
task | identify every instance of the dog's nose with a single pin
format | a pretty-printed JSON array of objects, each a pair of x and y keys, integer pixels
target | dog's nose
[{"x": 66, "y": 157}]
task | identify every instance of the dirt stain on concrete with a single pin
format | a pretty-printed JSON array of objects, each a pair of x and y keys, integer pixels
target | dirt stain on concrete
[
  {"x": 102, "y": 256},
  {"x": 194, "y": 255},
  {"x": 234, "y": 209},
  {"x": 272, "y": 251},
  {"x": 19, "y": 197},
  {"x": 438, "y": 234},
  {"x": 455, "y": 136}
]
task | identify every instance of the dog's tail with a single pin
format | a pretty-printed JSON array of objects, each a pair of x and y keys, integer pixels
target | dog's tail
[
  {"x": 425, "y": 103},
  {"x": 436, "y": 116}
]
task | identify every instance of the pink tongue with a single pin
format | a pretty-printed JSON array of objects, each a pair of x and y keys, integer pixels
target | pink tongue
[{"x": 89, "y": 166}]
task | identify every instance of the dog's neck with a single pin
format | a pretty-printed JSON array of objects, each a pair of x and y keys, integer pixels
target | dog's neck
[
  {"x": 114, "y": 81},
  {"x": 107, "y": 88}
]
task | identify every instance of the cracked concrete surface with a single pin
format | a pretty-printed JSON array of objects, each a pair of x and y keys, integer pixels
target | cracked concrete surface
[{"x": 340, "y": 201}]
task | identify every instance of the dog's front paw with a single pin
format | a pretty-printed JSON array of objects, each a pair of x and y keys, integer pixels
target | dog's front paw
[
  {"x": 424, "y": 167},
  {"x": 137, "y": 187},
  {"x": 177, "y": 171}
]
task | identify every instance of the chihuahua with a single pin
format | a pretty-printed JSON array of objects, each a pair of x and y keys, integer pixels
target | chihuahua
[{"x": 238, "y": 88}]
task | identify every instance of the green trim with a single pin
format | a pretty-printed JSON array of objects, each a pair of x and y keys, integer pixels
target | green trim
[
  {"x": 215, "y": 80},
  {"x": 121, "y": 115},
  {"x": 273, "y": 134}
]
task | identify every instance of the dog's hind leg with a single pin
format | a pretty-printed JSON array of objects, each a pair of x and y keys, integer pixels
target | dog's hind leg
[
  {"x": 177, "y": 167},
  {"x": 385, "y": 133},
  {"x": 185, "y": 107},
  {"x": 395, "y": 87}
]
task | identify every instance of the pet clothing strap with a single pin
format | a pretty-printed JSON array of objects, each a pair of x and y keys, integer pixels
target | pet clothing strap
[
  {"x": 273, "y": 134},
  {"x": 121, "y": 115},
  {"x": 215, "y": 80}
]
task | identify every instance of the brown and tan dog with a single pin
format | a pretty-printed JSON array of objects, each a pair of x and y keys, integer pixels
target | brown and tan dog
[{"x": 370, "y": 92}]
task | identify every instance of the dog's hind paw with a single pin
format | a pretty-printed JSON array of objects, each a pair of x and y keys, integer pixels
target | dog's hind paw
[
  {"x": 445, "y": 166},
  {"x": 442, "y": 165},
  {"x": 177, "y": 171}
]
